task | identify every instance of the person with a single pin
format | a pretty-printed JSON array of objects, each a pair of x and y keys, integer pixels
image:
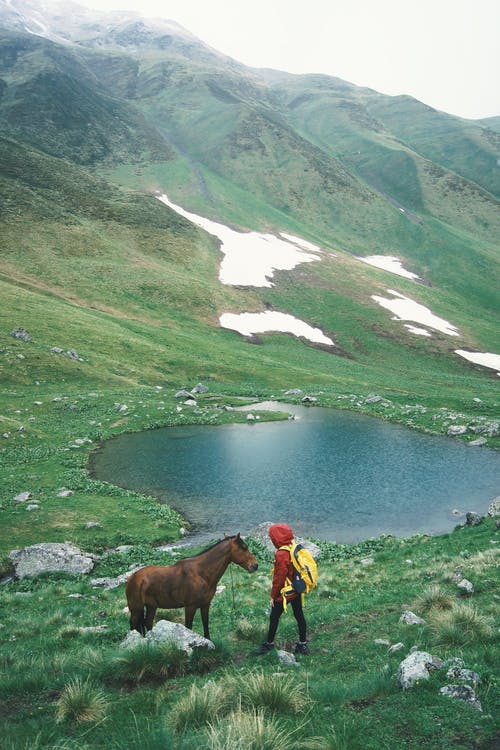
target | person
[{"x": 280, "y": 534}]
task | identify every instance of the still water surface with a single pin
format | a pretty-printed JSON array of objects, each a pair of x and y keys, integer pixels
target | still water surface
[{"x": 330, "y": 474}]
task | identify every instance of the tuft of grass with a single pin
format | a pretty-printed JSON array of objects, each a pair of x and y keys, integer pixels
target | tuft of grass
[
  {"x": 460, "y": 625},
  {"x": 252, "y": 731},
  {"x": 434, "y": 597},
  {"x": 199, "y": 706},
  {"x": 81, "y": 701},
  {"x": 275, "y": 693},
  {"x": 149, "y": 662}
]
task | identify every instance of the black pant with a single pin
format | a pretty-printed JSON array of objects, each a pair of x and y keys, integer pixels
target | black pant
[{"x": 277, "y": 611}]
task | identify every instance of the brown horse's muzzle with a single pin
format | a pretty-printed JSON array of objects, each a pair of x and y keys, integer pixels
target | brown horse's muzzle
[{"x": 253, "y": 567}]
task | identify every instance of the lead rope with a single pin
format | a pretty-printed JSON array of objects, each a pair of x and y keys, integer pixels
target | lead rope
[{"x": 232, "y": 592}]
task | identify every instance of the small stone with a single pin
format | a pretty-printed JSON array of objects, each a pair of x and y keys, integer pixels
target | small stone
[
  {"x": 494, "y": 507},
  {"x": 65, "y": 493},
  {"x": 190, "y": 402},
  {"x": 396, "y": 647},
  {"x": 473, "y": 519},
  {"x": 382, "y": 642},
  {"x": 287, "y": 659},
  {"x": 92, "y": 525},
  {"x": 367, "y": 561},
  {"x": 466, "y": 586},
  {"x": 409, "y": 618},
  {"x": 22, "y": 497},
  {"x": 32, "y": 506}
]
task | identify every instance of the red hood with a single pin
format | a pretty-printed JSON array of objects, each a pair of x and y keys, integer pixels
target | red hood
[{"x": 280, "y": 534}]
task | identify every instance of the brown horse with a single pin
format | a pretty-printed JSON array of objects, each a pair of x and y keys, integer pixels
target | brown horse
[{"x": 188, "y": 583}]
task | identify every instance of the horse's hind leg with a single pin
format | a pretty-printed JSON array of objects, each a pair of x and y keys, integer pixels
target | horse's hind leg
[
  {"x": 189, "y": 613},
  {"x": 137, "y": 620},
  {"x": 150, "y": 616}
]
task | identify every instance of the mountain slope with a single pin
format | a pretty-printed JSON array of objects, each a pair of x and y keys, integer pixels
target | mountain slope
[{"x": 147, "y": 106}]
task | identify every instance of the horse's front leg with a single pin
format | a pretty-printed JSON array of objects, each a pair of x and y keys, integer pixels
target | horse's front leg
[
  {"x": 204, "y": 619},
  {"x": 189, "y": 613}
]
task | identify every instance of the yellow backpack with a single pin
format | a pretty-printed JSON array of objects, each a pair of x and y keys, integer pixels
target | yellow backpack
[{"x": 305, "y": 571}]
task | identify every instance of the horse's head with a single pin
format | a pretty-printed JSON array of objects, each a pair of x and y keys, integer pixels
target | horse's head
[{"x": 241, "y": 555}]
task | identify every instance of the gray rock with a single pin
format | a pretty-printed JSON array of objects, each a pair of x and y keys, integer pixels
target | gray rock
[
  {"x": 373, "y": 399},
  {"x": 467, "y": 675},
  {"x": 473, "y": 519},
  {"x": 457, "y": 429},
  {"x": 287, "y": 659},
  {"x": 477, "y": 442},
  {"x": 52, "y": 556},
  {"x": 57, "y": 350},
  {"x": 463, "y": 693},
  {"x": 382, "y": 642},
  {"x": 32, "y": 506},
  {"x": 65, "y": 493},
  {"x": 309, "y": 400},
  {"x": 92, "y": 525},
  {"x": 190, "y": 402},
  {"x": 491, "y": 429},
  {"x": 182, "y": 394},
  {"x": 466, "y": 586},
  {"x": 21, "y": 334},
  {"x": 168, "y": 632},
  {"x": 294, "y": 392},
  {"x": 409, "y": 618},
  {"x": 112, "y": 583},
  {"x": 367, "y": 561},
  {"x": 396, "y": 647},
  {"x": 200, "y": 388},
  {"x": 23, "y": 497},
  {"x": 494, "y": 507},
  {"x": 415, "y": 667}
]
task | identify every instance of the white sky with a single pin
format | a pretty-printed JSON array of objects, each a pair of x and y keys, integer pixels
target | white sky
[{"x": 445, "y": 53}]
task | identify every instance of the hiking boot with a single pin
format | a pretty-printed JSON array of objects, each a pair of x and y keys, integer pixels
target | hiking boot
[
  {"x": 264, "y": 649},
  {"x": 301, "y": 648}
]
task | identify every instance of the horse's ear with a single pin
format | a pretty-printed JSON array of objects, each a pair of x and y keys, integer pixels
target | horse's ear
[{"x": 238, "y": 535}]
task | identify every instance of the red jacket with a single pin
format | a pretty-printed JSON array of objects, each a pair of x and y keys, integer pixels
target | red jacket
[{"x": 280, "y": 534}]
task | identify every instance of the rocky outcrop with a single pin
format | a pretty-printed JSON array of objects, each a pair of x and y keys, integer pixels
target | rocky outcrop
[
  {"x": 168, "y": 632},
  {"x": 50, "y": 557}
]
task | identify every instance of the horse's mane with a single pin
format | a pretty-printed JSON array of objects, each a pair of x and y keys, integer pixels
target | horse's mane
[{"x": 216, "y": 544}]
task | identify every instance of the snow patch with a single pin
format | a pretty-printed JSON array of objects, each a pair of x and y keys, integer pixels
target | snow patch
[
  {"x": 250, "y": 258},
  {"x": 267, "y": 322},
  {"x": 486, "y": 359},
  {"x": 389, "y": 263},
  {"x": 405, "y": 308}
]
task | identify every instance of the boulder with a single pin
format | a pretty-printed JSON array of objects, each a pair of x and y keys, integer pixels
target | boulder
[
  {"x": 415, "y": 667},
  {"x": 182, "y": 394},
  {"x": 463, "y": 693},
  {"x": 494, "y": 507},
  {"x": 473, "y": 519},
  {"x": 50, "y": 557},
  {"x": 168, "y": 632}
]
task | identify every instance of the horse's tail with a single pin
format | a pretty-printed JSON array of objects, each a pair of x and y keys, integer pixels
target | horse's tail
[{"x": 136, "y": 604}]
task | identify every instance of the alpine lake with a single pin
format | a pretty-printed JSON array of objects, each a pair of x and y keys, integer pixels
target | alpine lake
[{"x": 330, "y": 474}]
